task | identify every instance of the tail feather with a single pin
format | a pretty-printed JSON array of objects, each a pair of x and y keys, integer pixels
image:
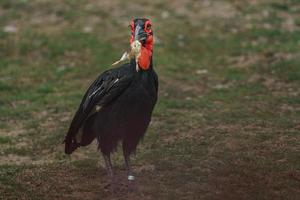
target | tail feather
[
  {"x": 70, "y": 141},
  {"x": 70, "y": 145},
  {"x": 80, "y": 137}
]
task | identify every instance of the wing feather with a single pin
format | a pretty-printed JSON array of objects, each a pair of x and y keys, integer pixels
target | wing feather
[{"x": 104, "y": 90}]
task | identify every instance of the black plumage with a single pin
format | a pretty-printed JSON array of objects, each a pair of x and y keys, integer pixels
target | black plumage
[{"x": 116, "y": 108}]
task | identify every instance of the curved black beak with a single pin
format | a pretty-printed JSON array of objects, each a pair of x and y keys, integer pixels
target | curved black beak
[{"x": 140, "y": 34}]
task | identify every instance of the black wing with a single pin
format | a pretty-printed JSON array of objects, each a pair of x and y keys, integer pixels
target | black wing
[{"x": 104, "y": 90}]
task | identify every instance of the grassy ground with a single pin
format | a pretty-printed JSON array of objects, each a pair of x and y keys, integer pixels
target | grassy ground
[{"x": 227, "y": 122}]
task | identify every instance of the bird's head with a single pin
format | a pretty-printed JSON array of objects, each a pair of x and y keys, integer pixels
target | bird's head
[{"x": 141, "y": 30}]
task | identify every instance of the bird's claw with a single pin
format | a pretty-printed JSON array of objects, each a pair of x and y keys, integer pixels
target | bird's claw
[
  {"x": 131, "y": 185},
  {"x": 112, "y": 186},
  {"x": 116, "y": 187}
]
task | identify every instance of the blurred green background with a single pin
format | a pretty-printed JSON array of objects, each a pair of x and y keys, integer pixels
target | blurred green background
[{"x": 227, "y": 122}]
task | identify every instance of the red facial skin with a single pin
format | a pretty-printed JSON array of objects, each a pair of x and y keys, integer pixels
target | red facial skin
[{"x": 147, "y": 47}]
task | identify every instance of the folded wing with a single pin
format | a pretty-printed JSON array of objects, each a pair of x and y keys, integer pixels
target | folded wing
[{"x": 104, "y": 90}]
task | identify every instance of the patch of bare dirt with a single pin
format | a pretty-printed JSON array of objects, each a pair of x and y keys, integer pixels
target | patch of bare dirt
[
  {"x": 244, "y": 61},
  {"x": 180, "y": 89},
  {"x": 267, "y": 58},
  {"x": 144, "y": 168},
  {"x": 177, "y": 135},
  {"x": 64, "y": 182},
  {"x": 241, "y": 180},
  {"x": 14, "y": 159},
  {"x": 281, "y": 88},
  {"x": 12, "y": 129},
  {"x": 196, "y": 11}
]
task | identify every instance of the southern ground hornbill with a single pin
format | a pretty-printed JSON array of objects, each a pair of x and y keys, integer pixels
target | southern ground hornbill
[{"x": 117, "y": 107}]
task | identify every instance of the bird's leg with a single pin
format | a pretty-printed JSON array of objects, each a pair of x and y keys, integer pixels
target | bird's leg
[
  {"x": 108, "y": 165},
  {"x": 130, "y": 176},
  {"x": 109, "y": 171},
  {"x": 128, "y": 167}
]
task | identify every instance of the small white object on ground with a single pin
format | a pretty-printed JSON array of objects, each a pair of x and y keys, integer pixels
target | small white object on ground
[
  {"x": 10, "y": 29},
  {"x": 130, "y": 178}
]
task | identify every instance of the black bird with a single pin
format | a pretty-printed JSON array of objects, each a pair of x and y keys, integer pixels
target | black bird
[{"x": 118, "y": 105}]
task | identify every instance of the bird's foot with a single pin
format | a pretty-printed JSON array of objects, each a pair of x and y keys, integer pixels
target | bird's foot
[
  {"x": 112, "y": 186},
  {"x": 115, "y": 186},
  {"x": 131, "y": 183}
]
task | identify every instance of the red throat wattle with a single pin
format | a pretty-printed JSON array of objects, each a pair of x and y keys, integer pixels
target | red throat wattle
[{"x": 147, "y": 47}]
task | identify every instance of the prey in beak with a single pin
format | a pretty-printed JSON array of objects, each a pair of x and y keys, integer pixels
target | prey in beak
[
  {"x": 134, "y": 53},
  {"x": 140, "y": 37}
]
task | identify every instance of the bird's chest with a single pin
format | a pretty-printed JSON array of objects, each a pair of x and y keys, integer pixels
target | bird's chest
[
  {"x": 140, "y": 93},
  {"x": 140, "y": 97}
]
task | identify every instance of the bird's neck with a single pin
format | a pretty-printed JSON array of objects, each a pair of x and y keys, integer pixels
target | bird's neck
[{"x": 146, "y": 54}]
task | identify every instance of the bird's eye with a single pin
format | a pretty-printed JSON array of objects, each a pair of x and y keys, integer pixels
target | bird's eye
[{"x": 148, "y": 27}]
